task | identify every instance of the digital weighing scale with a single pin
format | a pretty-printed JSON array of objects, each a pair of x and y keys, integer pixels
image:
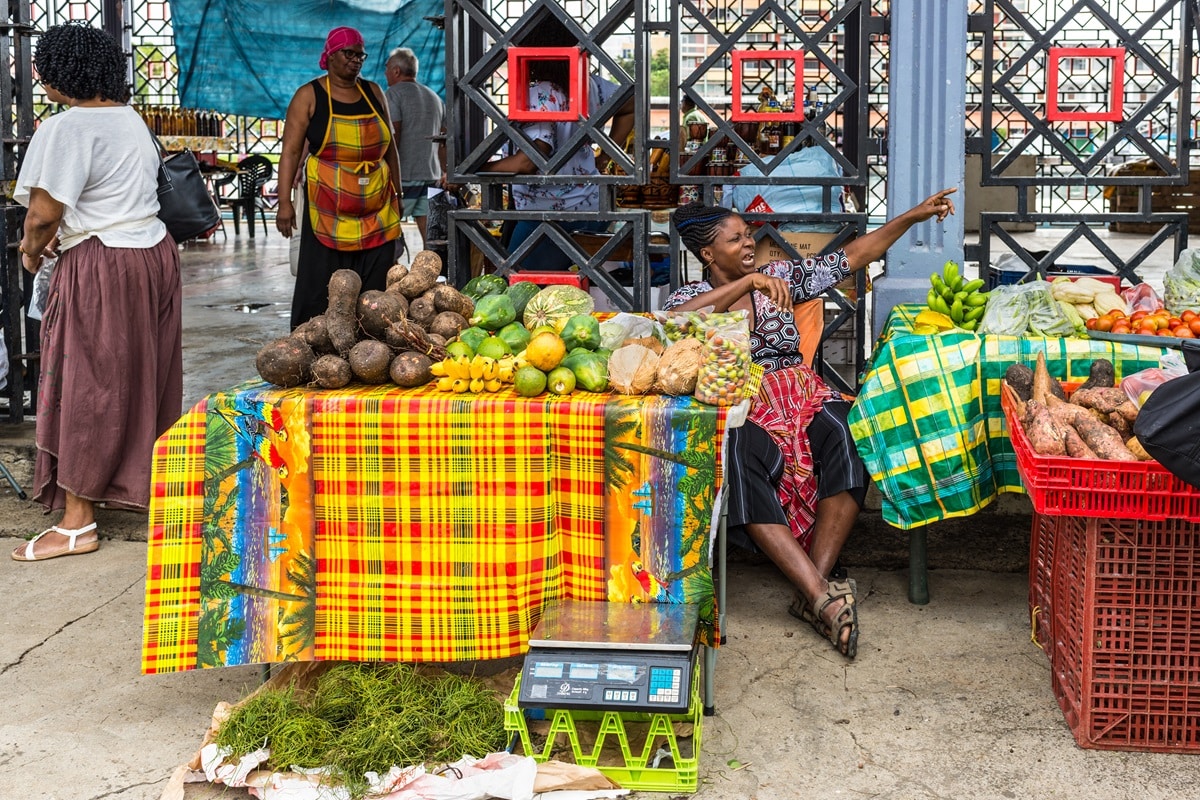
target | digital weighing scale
[{"x": 611, "y": 657}]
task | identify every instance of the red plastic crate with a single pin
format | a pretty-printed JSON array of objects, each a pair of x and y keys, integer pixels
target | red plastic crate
[
  {"x": 1041, "y": 566},
  {"x": 550, "y": 279},
  {"x": 1124, "y": 614},
  {"x": 1098, "y": 488}
]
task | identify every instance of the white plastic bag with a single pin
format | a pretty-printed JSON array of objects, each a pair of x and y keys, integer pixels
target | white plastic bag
[
  {"x": 1181, "y": 284},
  {"x": 41, "y": 289}
]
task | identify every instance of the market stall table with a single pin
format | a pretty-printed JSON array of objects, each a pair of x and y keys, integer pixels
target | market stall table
[
  {"x": 384, "y": 524},
  {"x": 928, "y": 422}
]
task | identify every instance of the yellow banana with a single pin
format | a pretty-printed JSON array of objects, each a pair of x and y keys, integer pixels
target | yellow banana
[
  {"x": 477, "y": 385},
  {"x": 476, "y": 368},
  {"x": 493, "y": 385},
  {"x": 490, "y": 369},
  {"x": 438, "y": 370},
  {"x": 461, "y": 385},
  {"x": 445, "y": 384}
]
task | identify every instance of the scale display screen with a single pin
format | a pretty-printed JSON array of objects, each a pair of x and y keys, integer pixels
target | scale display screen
[
  {"x": 611, "y": 656},
  {"x": 633, "y": 681}
]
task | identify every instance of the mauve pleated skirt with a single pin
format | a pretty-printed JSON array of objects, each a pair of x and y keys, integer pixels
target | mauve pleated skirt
[{"x": 111, "y": 372}]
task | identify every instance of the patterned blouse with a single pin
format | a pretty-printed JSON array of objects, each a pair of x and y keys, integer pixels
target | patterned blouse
[{"x": 774, "y": 338}]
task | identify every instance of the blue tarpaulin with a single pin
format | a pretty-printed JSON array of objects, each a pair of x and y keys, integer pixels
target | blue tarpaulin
[{"x": 249, "y": 56}]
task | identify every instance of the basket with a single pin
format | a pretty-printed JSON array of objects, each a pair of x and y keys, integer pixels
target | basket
[
  {"x": 1098, "y": 488},
  {"x": 1123, "y": 612},
  {"x": 623, "y": 745}
]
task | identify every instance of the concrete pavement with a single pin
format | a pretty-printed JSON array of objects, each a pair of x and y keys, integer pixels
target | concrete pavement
[{"x": 948, "y": 700}]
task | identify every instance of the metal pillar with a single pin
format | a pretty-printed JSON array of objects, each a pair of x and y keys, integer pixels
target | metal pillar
[{"x": 926, "y": 142}]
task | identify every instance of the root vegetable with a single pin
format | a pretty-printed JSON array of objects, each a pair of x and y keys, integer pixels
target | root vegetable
[
  {"x": 411, "y": 369},
  {"x": 1076, "y": 448},
  {"x": 422, "y": 274},
  {"x": 331, "y": 372},
  {"x": 1044, "y": 435},
  {"x": 422, "y": 312},
  {"x": 435, "y": 339},
  {"x": 407, "y": 335},
  {"x": 340, "y": 316},
  {"x": 316, "y": 333},
  {"x": 447, "y": 298},
  {"x": 370, "y": 361},
  {"x": 1044, "y": 384},
  {"x": 1103, "y": 440},
  {"x": 396, "y": 273},
  {"x": 1020, "y": 378},
  {"x": 377, "y": 311},
  {"x": 285, "y": 362},
  {"x": 1121, "y": 425},
  {"x": 1138, "y": 451},
  {"x": 447, "y": 324},
  {"x": 1106, "y": 401},
  {"x": 1015, "y": 397},
  {"x": 1101, "y": 375}
]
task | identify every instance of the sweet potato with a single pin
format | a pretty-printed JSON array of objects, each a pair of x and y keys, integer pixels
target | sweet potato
[
  {"x": 377, "y": 311},
  {"x": 447, "y": 298},
  {"x": 1015, "y": 398},
  {"x": 370, "y": 360},
  {"x": 1041, "y": 381},
  {"x": 1104, "y": 441},
  {"x": 285, "y": 362},
  {"x": 1121, "y": 425},
  {"x": 1106, "y": 401},
  {"x": 1044, "y": 434},
  {"x": 331, "y": 372},
  {"x": 1076, "y": 448},
  {"x": 1138, "y": 451},
  {"x": 340, "y": 318},
  {"x": 411, "y": 369},
  {"x": 447, "y": 324}
]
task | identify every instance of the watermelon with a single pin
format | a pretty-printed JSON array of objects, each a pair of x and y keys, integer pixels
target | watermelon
[
  {"x": 483, "y": 285},
  {"x": 521, "y": 293}
]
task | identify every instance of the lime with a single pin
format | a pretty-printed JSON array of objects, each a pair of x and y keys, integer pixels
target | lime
[
  {"x": 460, "y": 348},
  {"x": 493, "y": 347},
  {"x": 529, "y": 381},
  {"x": 560, "y": 381}
]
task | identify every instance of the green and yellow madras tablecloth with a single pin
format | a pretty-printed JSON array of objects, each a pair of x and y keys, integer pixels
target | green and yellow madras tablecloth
[
  {"x": 387, "y": 524},
  {"x": 928, "y": 423}
]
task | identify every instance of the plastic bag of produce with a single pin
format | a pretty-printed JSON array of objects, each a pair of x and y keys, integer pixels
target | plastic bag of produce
[
  {"x": 1007, "y": 311},
  {"x": 615, "y": 330},
  {"x": 723, "y": 373},
  {"x": 1182, "y": 283}
]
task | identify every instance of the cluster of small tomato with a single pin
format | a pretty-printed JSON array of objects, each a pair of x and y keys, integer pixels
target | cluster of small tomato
[{"x": 1149, "y": 323}]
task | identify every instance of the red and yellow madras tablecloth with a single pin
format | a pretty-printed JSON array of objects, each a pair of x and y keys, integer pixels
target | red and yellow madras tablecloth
[{"x": 386, "y": 524}]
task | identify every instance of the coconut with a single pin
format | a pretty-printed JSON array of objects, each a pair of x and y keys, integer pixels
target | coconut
[
  {"x": 678, "y": 366},
  {"x": 631, "y": 369}
]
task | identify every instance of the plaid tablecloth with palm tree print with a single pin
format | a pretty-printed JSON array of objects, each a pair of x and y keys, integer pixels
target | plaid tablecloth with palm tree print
[{"x": 377, "y": 523}]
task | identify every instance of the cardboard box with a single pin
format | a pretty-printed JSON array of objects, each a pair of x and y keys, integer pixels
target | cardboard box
[{"x": 807, "y": 243}]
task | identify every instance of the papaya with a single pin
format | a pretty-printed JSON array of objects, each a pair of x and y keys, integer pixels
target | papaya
[
  {"x": 521, "y": 293},
  {"x": 581, "y": 330},
  {"x": 516, "y": 335},
  {"x": 590, "y": 370},
  {"x": 493, "y": 312},
  {"x": 472, "y": 336}
]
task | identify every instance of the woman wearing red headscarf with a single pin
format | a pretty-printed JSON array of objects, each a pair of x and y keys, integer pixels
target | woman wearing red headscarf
[{"x": 352, "y": 177}]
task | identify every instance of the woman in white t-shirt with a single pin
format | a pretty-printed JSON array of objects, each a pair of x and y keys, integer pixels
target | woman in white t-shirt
[{"x": 111, "y": 377}]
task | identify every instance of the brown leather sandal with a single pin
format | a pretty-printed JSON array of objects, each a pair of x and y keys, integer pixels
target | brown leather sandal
[{"x": 847, "y": 616}]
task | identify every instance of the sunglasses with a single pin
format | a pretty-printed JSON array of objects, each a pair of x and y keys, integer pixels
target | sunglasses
[{"x": 354, "y": 55}]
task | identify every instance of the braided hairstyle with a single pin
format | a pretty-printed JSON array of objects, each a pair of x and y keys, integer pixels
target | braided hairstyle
[
  {"x": 82, "y": 62},
  {"x": 697, "y": 225}
]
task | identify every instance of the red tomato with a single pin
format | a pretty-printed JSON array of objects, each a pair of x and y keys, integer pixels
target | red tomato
[
  {"x": 1090, "y": 324},
  {"x": 1195, "y": 325},
  {"x": 1103, "y": 323},
  {"x": 1120, "y": 327},
  {"x": 1188, "y": 316},
  {"x": 1163, "y": 332},
  {"x": 1138, "y": 316},
  {"x": 1174, "y": 322}
]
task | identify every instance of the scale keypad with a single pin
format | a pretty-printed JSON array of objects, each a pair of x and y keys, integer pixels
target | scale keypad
[{"x": 664, "y": 685}]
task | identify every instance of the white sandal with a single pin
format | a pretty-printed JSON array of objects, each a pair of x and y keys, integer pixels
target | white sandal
[{"x": 28, "y": 555}]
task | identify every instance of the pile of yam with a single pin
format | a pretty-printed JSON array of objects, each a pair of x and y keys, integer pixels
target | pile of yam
[
  {"x": 1095, "y": 422},
  {"x": 374, "y": 336}
]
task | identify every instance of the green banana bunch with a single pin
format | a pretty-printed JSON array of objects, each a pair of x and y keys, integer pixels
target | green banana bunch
[{"x": 960, "y": 299}]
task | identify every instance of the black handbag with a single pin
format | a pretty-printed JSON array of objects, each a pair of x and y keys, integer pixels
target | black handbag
[
  {"x": 1168, "y": 424},
  {"x": 185, "y": 205}
]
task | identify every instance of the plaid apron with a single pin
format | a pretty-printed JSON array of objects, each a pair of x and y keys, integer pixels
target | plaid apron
[{"x": 351, "y": 202}]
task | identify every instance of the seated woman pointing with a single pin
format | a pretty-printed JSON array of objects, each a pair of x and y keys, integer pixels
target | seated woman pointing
[{"x": 795, "y": 480}]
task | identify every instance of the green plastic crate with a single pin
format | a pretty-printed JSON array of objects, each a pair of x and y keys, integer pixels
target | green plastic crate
[{"x": 616, "y": 737}]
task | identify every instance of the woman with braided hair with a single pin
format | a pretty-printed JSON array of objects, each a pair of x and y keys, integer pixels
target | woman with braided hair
[
  {"x": 795, "y": 480},
  {"x": 111, "y": 339}
]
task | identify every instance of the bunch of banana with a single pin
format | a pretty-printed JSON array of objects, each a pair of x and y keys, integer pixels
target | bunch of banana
[
  {"x": 962, "y": 301},
  {"x": 475, "y": 374}
]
